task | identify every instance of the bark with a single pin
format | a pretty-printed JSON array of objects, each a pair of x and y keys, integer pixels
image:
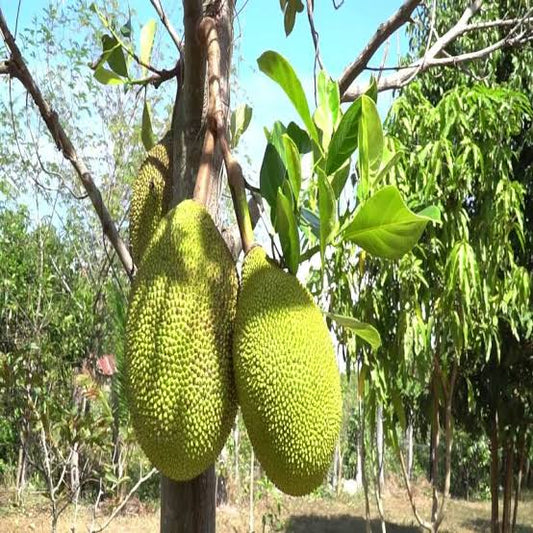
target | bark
[
  {"x": 251, "y": 527},
  {"x": 190, "y": 507},
  {"x": 494, "y": 473},
  {"x": 508, "y": 485},
  {"x": 380, "y": 445},
  {"x": 22, "y": 463},
  {"x": 521, "y": 464},
  {"x": 364, "y": 479},
  {"x": 435, "y": 435},
  {"x": 410, "y": 450}
]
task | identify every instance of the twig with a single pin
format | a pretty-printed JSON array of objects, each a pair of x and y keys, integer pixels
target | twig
[
  {"x": 168, "y": 25},
  {"x": 19, "y": 70},
  {"x": 125, "y": 500},
  {"x": 383, "y": 32},
  {"x": 316, "y": 38},
  {"x": 430, "y": 59}
]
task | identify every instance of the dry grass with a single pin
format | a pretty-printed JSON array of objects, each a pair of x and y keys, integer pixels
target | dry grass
[{"x": 274, "y": 512}]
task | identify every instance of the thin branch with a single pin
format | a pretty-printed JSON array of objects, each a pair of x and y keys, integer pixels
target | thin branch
[
  {"x": 64, "y": 144},
  {"x": 382, "y": 33},
  {"x": 430, "y": 59},
  {"x": 314, "y": 33},
  {"x": 125, "y": 500},
  {"x": 168, "y": 25}
]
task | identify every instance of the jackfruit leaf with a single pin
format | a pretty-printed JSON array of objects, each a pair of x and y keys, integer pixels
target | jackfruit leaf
[
  {"x": 363, "y": 330},
  {"x": 287, "y": 229},
  {"x": 114, "y": 54},
  {"x": 275, "y": 137},
  {"x": 370, "y": 146},
  {"x": 294, "y": 166},
  {"x": 327, "y": 112},
  {"x": 271, "y": 175},
  {"x": 384, "y": 226},
  {"x": 344, "y": 140},
  {"x": 338, "y": 181},
  {"x": 398, "y": 407},
  {"x": 277, "y": 68},
  {"x": 239, "y": 122},
  {"x": 106, "y": 77},
  {"x": 327, "y": 211},
  {"x": 300, "y": 137},
  {"x": 372, "y": 91},
  {"x": 125, "y": 30},
  {"x": 290, "y": 8},
  {"x": 312, "y": 220},
  {"x": 147, "y": 40},
  {"x": 147, "y": 133}
]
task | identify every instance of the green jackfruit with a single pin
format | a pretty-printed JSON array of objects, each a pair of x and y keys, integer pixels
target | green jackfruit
[
  {"x": 286, "y": 375},
  {"x": 179, "y": 371},
  {"x": 150, "y": 195}
]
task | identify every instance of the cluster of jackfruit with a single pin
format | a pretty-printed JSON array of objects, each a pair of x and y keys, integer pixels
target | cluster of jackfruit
[{"x": 194, "y": 346}]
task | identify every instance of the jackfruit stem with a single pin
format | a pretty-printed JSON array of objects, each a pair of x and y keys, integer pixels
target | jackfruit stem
[{"x": 238, "y": 192}]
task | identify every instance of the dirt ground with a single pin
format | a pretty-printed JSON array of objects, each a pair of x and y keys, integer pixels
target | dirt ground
[{"x": 275, "y": 512}]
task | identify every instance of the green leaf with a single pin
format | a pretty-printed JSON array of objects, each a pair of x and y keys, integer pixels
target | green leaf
[
  {"x": 372, "y": 91},
  {"x": 370, "y": 144},
  {"x": 338, "y": 181},
  {"x": 432, "y": 212},
  {"x": 294, "y": 166},
  {"x": 327, "y": 112},
  {"x": 271, "y": 176},
  {"x": 290, "y": 8},
  {"x": 300, "y": 137},
  {"x": 147, "y": 41},
  {"x": 398, "y": 408},
  {"x": 114, "y": 54},
  {"x": 363, "y": 330},
  {"x": 385, "y": 226},
  {"x": 344, "y": 140},
  {"x": 239, "y": 122},
  {"x": 277, "y": 68},
  {"x": 147, "y": 134},
  {"x": 326, "y": 209},
  {"x": 312, "y": 220},
  {"x": 287, "y": 229},
  {"x": 387, "y": 167},
  {"x": 125, "y": 30},
  {"x": 107, "y": 77}
]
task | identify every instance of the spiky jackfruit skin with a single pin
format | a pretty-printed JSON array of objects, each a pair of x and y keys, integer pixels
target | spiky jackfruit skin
[
  {"x": 179, "y": 372},
  {"x": 150, "y": 195},
  {"x": 287, "y": 380}
]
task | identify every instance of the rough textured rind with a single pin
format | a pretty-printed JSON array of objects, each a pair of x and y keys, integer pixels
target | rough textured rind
[
  {"x": 150, "y": 196},
  {"x": 287, "y": 380},
  {"x": 178, "y": 344}
]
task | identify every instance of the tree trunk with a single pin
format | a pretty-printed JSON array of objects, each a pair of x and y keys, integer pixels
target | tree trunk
[
  {"x": 236, "y": 446},
  {"x": 494, "y": 473},
  {"x": 21, "y": 470},
  {"x": 189, "y": 507},
  {"x": 521, "y": 462},
  {"x": 380, "y": 448},
  {"x": 435, "y": 423},
  {"x": 409, "y": 438},
  {"x": 359, "y": 449},
  {"x": 251, "y": 526},
  {"x": 364, "y": 479},
  {"x": 508, "y": 485}
]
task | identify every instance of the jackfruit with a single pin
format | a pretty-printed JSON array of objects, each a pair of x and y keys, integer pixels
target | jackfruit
[
  {"x": 150, "y": 195},
  {"x": 179, "y": 371},
  {"x": 288, "y": 384}
]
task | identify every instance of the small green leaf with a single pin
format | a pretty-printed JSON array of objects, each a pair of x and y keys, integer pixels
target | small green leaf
[
  {"x": 294, "y": 166},
  {"x": 271, "y": 176},
  {"x": 276, "y": 67},
  {"x": 385, "y": 226},
  {"x": 370, "y": 144},
  {"x": 398, "y": 408},
  {"x": 338, "y": 180},
  {"x": 147, "y": 41},
  {"x": 125, "y": 30},
  {"x": 363, "y": 330},
  {"x": 300, "y": 137},
  {"x": 107, "y": 77},
  {"x": 239, "y": 122},
  {"x": 372, "y": 91},
  {"x": 114, "y": 54},
  {"x": 432, "y": 212},
  {"x": 290, "y": 8},
  {"x": 287, "y": 229},
  {"x": 326, "y": 209},
  {"x": 312, "y": 220},
  {"x": 344, "y": 140},
  {"x": 327, "y": 112},
  {"x": 147, "y": 134}
]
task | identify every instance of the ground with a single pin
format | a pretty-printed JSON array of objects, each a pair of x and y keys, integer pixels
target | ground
[{"x": 274, "y": 512}]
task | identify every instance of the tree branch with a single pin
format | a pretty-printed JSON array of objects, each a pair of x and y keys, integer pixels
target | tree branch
[
  {"x": 431, "y": 59},
  {"x": 384, "y": 31},
  {"x": 168, "y": 25},
  {"x": 17, "y": 68}
]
